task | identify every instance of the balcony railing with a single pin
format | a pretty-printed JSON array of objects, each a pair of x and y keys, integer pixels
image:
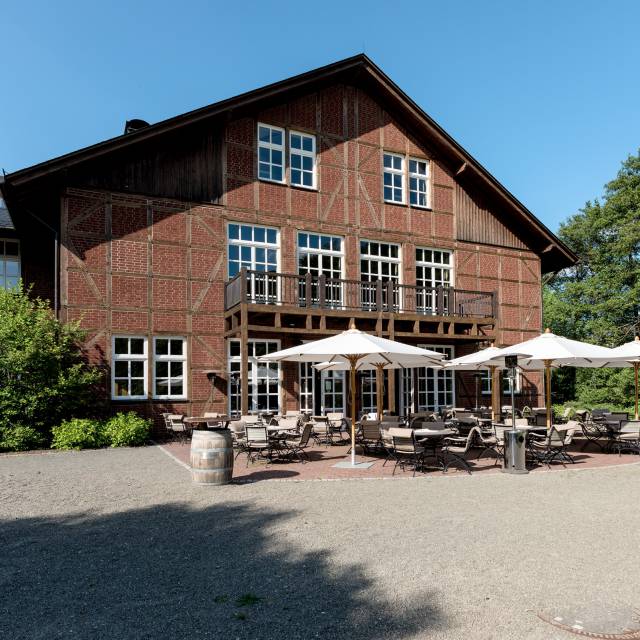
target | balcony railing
[{"x": 321, "y": 292}]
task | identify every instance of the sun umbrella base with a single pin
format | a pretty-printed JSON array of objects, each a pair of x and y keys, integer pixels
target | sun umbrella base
[{"x": 346, "y": 464}]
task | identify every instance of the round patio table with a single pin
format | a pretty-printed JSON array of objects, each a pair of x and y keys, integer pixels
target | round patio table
[{"x": 430, "y": 439}]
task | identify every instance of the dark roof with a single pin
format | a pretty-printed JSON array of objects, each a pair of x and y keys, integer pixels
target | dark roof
[{"x": 555, "y": 253}]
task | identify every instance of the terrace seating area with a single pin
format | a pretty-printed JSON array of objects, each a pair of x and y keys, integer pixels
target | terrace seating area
[{"x": 453, "y": 440}]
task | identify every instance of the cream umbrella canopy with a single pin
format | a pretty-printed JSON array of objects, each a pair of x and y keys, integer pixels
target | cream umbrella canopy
[
  {"x": 352, "y": 347},
  {"x": 550, "y": 350}
]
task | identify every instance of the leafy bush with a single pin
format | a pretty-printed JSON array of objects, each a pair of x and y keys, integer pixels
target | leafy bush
[
  {"x": 44, "y": 378},
  {"x": 127, "y": 430},
  {"x": 78, "y": 433},
  {"x": 20, "y": 438}
]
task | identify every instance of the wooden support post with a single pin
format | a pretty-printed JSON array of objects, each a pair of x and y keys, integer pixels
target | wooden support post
[
  {"x": 496, "y": 394},
  {"x": 244, "y": 357},
  {"x": 391, "y": 376}
]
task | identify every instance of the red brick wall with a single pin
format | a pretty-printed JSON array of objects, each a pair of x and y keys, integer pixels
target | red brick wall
[{"x": 133, "y": 264}]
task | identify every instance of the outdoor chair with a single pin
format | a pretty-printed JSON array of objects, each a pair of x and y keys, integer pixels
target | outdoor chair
[
  {"x": 454, "y": 450},
  {"x": 338, "y": 428},
  {"x": 627, "y": 441},
  {"x": 288, "y": 423},
  {"x": 368, "y": 436},
  {"x": 258, "y": 444},
  {"x": 295, "y": 447},
  {"x": 251, "y": 418},
  {"x": 215, "y": 419},
  {"x": 238, "y": 436},
  {"x": 179, "y": 429},
  {"x": 320, "y": 430},
  {"x": 405, "y": 450},
  {"x": 553, "y": 446},
  {"x": 594, "y": 431},
  {"x": 490, "y": 442},
  {"x": 167, "y": 424}
]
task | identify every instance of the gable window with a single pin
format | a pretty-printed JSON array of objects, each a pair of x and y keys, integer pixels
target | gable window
[
  {"x": 9, "y": 263},
  {"x": 270, "y": 153},
  {"x": 418, "y": 183},
  {"x": 393, "y": 178},
  {"x": 169, "y": 363},
  {"x": 302, "y": 158},
  {"x": 129, "y": 368}
]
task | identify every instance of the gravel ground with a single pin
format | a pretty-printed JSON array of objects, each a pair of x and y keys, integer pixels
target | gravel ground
[{"x": 119, "y": 544}]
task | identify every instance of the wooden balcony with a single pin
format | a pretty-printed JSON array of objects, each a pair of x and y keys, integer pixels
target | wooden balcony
[{"x": 316, "y": 293}]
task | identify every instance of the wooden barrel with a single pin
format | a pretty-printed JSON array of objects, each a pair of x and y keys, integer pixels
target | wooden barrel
[{"x": 212, "y": 457}]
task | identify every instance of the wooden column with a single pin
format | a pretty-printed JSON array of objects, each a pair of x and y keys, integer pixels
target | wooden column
[{"x": 496, "y": 393}]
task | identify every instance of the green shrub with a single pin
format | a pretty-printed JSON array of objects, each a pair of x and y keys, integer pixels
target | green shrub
[
  {"x": 127, "y": 430},
  {"x": 44, "y": 376},
  {"x": 20, "y": 438},
  {"x": 78, "y": 433}
]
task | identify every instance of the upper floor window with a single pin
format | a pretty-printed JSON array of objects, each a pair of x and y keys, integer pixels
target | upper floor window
[
  {"x": 393, "y": 165},
  {"x": 9, "y": 263},
  {"x": 252, "y": 247},
  {"x": 302, "y": 158},
  {"x": 418, "y": 183},
  {"x": 129, "y": 368},
  {"x": 270, "y": 153}
]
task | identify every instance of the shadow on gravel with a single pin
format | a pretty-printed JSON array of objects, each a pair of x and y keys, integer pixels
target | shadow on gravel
[{"x": 176, "y": 572}]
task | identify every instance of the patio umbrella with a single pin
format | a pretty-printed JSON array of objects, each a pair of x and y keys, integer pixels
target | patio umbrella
[
  {"x": 353, "y": 346},
  {"x": 370, "y": 363},
  {"x": 549, "y": 350}
]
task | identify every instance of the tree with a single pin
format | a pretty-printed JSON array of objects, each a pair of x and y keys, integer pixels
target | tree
[
  {"x": 44, "y": 377},
  {"x": 598, "y": 300}
]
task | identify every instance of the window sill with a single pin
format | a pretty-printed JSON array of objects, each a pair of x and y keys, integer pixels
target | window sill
[
  {"x": 303, "y": 187},
  {"x": 267, "y": 180},
  {"x": 419, "y": 208},
  {"x": 397, "y": 204},
  {"x": 128, "y": 398}
]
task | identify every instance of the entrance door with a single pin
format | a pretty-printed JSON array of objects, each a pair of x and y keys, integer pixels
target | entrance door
[{"x": 333, "y": 391}]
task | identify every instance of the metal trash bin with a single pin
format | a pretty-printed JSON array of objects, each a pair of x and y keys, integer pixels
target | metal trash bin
[{"x": 514, "y": 452}]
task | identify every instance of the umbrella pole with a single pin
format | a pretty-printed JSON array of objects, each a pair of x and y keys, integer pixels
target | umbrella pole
[
  {"x": 636, "y": 365},
  {"x": 547, "y": 370},
  {"x": 352, "y": 362},
  {"x": 380, "y": 389}
]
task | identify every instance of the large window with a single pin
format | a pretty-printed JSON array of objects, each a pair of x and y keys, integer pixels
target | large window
[
  {"x": 378, "y": 261},
  {"x": 9, "y": 263},
  {"x": 270, "y": 153},
  {"x": 426, "y": 388},
  {"x": 418, "y": 183},
  {"x": 306, "y": 374},
  {"x": 487, "y": 383},
  {"x": 368, "y": 391},
  {"x": 302, "y": 159},
  {"x": 129, "y": 368},
  {"x": 263, "y": 377},
  {"x": 321, "y": 255},
  {"x": 393, "y": 178},
  {"x": 433, "y": 270},
  {"x": 169, "y": 368},
  {"x": 256, "y": 249}
]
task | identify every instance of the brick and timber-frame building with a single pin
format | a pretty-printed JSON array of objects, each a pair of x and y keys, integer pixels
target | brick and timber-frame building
[{"x": 189, "y": 248}]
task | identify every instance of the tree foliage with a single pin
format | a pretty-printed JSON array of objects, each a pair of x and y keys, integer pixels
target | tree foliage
[
  {"x": 598, "y": 300},
  {"x": 44, "y": 377}
]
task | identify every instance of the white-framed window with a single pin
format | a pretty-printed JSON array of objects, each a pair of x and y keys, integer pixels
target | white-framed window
[
  {"x": 129, "y": 363},
  {"x": 263, "y": 377},
  {"x": 169, "y": 367},
  {"x": 9, "y": 263},
  {"x": 270, "y": 153},
  {"x": 255, "y": 248},
  {"x": 418, "y": 183},
  {"x": 306, "y": 376},
  {"x": 320, "y": 254},
  {"x": 393, "y": 178},
  {"x": 368, "y": 391},
  {"x": 428, "y": 389},
  {"x": 378, "y": 261},
  {"x": 302, "y": 159},
  {"x": 434, "y": 268},
  {"x": 487, "y": 383}
]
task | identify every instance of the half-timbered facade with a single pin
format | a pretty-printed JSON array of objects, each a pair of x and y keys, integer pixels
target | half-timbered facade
[{"x": 189, "y": 248}]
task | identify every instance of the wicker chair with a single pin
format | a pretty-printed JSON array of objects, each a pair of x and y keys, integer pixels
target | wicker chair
[
  {"x": 405, "y": 450},
  {"x": 454, "y": 450}
]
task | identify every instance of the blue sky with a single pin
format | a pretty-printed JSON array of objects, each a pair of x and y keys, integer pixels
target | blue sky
[{"x": 544, "y": 94}]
